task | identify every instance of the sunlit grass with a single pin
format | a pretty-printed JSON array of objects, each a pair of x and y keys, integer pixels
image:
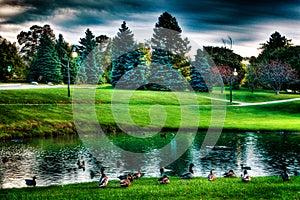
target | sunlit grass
[{"x": 148, "y": 188}]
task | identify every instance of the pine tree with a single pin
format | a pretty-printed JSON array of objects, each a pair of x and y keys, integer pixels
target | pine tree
[
  {"x": 62, "y": 53},
  {"x": 88, "y": 43},
  {"x": 124, "y": 58},
  {"x": 169, "y": 47},
  {"x": 47, "y": 67},
  {"x": 200, "y": 73}
]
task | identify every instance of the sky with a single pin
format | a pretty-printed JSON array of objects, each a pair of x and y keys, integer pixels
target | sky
[{"x": 204, "y": 22}]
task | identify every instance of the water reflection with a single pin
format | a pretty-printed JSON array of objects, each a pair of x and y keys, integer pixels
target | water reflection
[{"x": 54, "y": 160}]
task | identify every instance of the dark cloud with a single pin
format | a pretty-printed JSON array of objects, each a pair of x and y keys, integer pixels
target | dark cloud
[{"x": 239, "y": 19}]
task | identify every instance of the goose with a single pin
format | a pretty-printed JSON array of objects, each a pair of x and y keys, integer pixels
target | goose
[
  {"x": 31, "y": 182},
  {"x": 189, "y": 174},
  {"x": 246, "y": 177},
  {"x": 211, "y": 176}
]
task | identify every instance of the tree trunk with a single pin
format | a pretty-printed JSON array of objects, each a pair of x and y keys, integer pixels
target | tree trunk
[{"x": 277, "y": 92}]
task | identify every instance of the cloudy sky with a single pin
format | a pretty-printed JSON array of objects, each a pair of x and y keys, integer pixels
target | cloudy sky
[{"x": 205, "y": 22}]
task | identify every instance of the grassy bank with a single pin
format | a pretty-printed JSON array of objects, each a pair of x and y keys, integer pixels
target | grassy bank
[
  {"x": 39, "y": 112},
  {"x": 148, "y": 188}
]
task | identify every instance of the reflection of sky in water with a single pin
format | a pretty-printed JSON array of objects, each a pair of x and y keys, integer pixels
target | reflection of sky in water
[{"x": 54, "y": 160}]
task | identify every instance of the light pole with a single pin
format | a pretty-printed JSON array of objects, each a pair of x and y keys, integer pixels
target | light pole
[
  {"x": 234, "y": 74},
  {"x": 73, "y": 55}
]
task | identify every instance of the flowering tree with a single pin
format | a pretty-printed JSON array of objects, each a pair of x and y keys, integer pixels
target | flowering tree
[{"x": 275, "y": 74}]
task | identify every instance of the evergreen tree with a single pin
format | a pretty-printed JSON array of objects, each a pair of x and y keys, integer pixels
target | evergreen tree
[
  {"x": 200, "y": 73},
  {"x": 169, "y": 46},
  {"x": 124, "y": 56},
  {"x": 62, "y": 53},
  {"x": 88, "y": 43},
  {"x": 91, "y": 59},
  {"x": 47, "y": 67}
]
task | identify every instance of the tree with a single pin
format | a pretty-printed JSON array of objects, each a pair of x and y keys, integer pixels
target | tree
[
  {"x": 88, "y": 43},
  {"x": 124, "y": 55},
  {"x": 275, "y": 74},
  {"x": 200, "y": 73},
  {"x": 63, "y": 51},
  {"x": 47, "y": 66},
  {"x": 30, "y": 40},
  {"x": 9, "y": 57},
  {"x": 251, "y": 77},
  {"x": 226, "y": 58},
  {"x": 275, "y": 41},
  {"x": 169, "y": 47}
]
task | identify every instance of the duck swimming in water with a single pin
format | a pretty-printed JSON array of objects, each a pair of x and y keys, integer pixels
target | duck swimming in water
[
  {"x": 189, "y": 174},
  {"x": 31, "y": 182}
]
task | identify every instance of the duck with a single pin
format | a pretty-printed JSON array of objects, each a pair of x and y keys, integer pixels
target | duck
[
  {"x": 31, "y": 182},
  {"x": 284, "y": 175},
  {"x": 103, "y": 181},
  {"x": 189, "y": 174},
  {"x": 137, "y": 175},
  {"x": 81, "y": 165},
  {"x": 5, "y": 159},
  {"x": 246, "y": 177},
  {"x": 94, "y": 174},
  {"x": 211, "y": 176},
  {"x": 229, "y": 174},
  {"x": 125, "y": 182},
  {"x": 296, "y": 173},
  {"x": 164, "y": 179},
  {"x": 129, "y": 176}
]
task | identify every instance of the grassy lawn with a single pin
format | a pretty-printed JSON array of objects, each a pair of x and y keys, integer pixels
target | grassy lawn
[
  {"x": 33, "y": 112},
  {"x": 148, "y": 188}
]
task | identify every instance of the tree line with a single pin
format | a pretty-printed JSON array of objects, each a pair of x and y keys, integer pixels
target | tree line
[{"x": 160, "y": 63}]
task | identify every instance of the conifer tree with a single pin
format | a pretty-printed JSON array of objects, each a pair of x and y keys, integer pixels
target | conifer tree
[
  {"x": 125, "y": 57},
  {"x": 169, "y": 48},
  {"x": 200, "y": 73},
  {"x": 62, "y": 53},
  {"x": 47, "y": 66}
]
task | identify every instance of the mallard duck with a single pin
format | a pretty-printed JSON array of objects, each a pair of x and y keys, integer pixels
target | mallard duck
[
  {"x": 189, "y": 174},
  {"x": 245, "y": 176},
  {"x": 229, "y": 174},
  {"x": 125, "y": 182},
  {"x": 137, "y": 175},
  {"x": 94, "y": 174},
  {"x": 81, "y": 165},
  {"x": 164, "y": 179},
  {"x": 128, "y": 176},
  {"x": 284, "y": 175},
  {"x": 211, "y": 176},
  {"x": 31, "y": 182},
  {"x": 103, "y": 181}
]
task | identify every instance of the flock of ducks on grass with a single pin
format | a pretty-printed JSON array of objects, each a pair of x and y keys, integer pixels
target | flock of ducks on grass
[{"x": 126, "y": 180}]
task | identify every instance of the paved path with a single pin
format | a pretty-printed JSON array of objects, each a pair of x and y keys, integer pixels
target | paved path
[{"x": 27, "y": 86}]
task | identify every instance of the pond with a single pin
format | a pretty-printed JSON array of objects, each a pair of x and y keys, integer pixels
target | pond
[{"x": 54, "y": 160}]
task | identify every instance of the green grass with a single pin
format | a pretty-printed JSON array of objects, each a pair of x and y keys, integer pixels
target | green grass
[
  {"x": 39, "y": 112},
  {"x": 148, "y": 188}
]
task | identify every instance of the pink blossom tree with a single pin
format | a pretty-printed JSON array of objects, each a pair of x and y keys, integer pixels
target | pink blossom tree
[{"x": 275, "y": 74}]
